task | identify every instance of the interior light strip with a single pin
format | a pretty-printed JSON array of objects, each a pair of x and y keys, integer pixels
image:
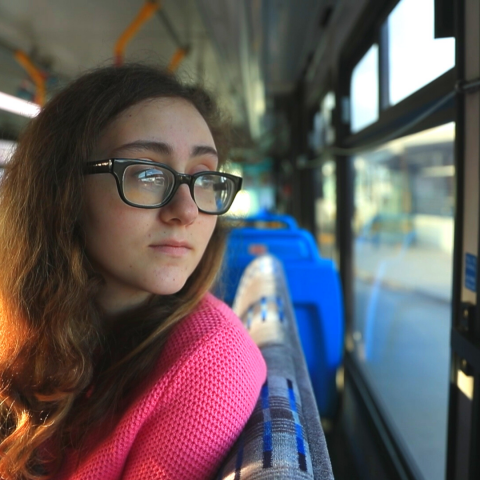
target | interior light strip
[{"x": 18, "y": 106}]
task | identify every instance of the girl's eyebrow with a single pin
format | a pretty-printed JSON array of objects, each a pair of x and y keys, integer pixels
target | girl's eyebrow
[
  {"x": 162, "y": 148},
  {"x": 199, "y": 150},
  {"x": 144, "y": 145}
]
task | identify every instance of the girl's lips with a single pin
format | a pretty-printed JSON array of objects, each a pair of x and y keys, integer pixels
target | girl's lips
[{"x": 172, "y": 248}]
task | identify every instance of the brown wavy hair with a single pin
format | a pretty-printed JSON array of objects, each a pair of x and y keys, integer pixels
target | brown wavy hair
[{"x": 53, "y": 339}]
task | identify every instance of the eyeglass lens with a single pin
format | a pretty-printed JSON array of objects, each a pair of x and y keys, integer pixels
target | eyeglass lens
[{"x": 148, "y": 185}]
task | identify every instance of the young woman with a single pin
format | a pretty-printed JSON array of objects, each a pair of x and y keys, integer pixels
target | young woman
[{"x": 115, "y": 361}]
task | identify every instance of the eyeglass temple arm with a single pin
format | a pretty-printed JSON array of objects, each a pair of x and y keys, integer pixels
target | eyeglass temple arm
[{"x": 99, "y": 167}]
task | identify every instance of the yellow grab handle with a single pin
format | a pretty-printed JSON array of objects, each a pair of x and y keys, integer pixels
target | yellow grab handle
[
  {"x": 178, "y": 56},
  {"x": 35, "y": 74},
  {"x": 147, "y": 11}
]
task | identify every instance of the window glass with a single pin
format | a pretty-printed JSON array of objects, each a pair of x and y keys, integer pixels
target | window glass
[
  {"x": 257, "y": 193},
  {"x": 323, "y": 132},
  {"x": 415, "y": 56},
  {"x": 403, "y": 225},
  {"x": 326, "y": 209},
  {"x": 364, "y": 91},
  {"x": 316, "y": 136},
  {"x": 7, "y": 147},
  {"x": 327, "y": 108}
]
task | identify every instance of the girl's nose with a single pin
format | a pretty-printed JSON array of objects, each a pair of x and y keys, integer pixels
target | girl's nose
[{"x": 181, "y": 209}]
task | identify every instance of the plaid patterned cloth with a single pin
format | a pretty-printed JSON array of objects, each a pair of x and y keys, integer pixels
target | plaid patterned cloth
[{"x": 283, "y": 438}]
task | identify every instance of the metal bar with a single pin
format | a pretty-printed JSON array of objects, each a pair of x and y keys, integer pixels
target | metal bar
[
  {"x": 474, "y": 466},
  {"x": 401, "y": 113},
  {"x": 453, "y": 396},
  {"x": 177, "y": 58},
  {"x": 467, "y": 87},
  {"x": 384, "y": 68}
]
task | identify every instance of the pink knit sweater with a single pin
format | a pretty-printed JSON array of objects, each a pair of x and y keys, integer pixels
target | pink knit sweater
[{"x": 190, "y": 412}]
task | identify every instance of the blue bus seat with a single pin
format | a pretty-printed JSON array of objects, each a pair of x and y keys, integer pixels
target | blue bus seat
[{"x": 314, "y": 287}]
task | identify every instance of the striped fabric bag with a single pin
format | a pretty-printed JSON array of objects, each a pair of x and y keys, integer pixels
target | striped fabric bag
[{"x": 283, "y": 438}]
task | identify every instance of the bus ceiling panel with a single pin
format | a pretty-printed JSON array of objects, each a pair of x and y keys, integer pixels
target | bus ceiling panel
[
  {"x": 72, "y": 36},
  {"x": 68, "y": 37},
  {"x": 65, "y": 38},
  {"x": 291, "y": 31},
  {"x": 11, "y": 72},
  {"x": 236, "y": 34},
  {"x": 277, "y": 35},
  {"x": 264, "y": 46},
  {"x": 336, "y": 37},
  {"x": 222, "y": 19}
]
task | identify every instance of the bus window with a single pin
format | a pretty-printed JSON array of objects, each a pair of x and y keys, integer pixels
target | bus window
[
  {"x": 326, "y": 210},
  {"x": 364, "y": 91},
  {"x": 415, "y": 56},
  {"x": 403, "y": 280}
]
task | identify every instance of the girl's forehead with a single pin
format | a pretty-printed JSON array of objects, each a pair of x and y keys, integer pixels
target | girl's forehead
[
  {"x": 158, "y": 105},
  {"x": 173, "y": 121}
]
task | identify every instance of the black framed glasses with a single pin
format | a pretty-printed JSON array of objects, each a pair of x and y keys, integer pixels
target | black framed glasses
[{"x": 148, "y": 184}]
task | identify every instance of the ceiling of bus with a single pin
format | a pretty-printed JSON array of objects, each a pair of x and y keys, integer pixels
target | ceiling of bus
[{"x": 246, "y": 51}]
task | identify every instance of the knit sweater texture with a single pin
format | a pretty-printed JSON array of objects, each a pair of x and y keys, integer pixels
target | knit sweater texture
[{"x": 189, "y": 412}]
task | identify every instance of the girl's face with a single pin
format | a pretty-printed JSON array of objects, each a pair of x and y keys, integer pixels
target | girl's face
[{"x": 141, "y": 252}]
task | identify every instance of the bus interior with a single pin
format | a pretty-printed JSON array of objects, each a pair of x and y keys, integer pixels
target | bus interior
[{"x": 357, "y": 126}]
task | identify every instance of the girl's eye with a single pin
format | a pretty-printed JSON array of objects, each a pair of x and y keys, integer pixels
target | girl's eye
[
  {"x": 148, "y": 177},
  {"x": 151, "y": 177},
  {"x": 145, "y": 185},
  {"x": 207, "y": 181}
]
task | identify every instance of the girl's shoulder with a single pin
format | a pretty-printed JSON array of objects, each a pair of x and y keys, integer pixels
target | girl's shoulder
[
  {"x": 209, "y": 379},
  {"x": 212, "y": 318},
  {"x": 209, "y": 347},
  {"x": 212, "y": 329}
]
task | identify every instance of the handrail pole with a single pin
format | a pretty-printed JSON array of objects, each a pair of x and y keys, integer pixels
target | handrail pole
[
  {"x": 35, "y": 74},
  {"x": 177, "y": 58},
  {"x": 147, "y": 11},
  {"x": 182, "y": 50}
]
